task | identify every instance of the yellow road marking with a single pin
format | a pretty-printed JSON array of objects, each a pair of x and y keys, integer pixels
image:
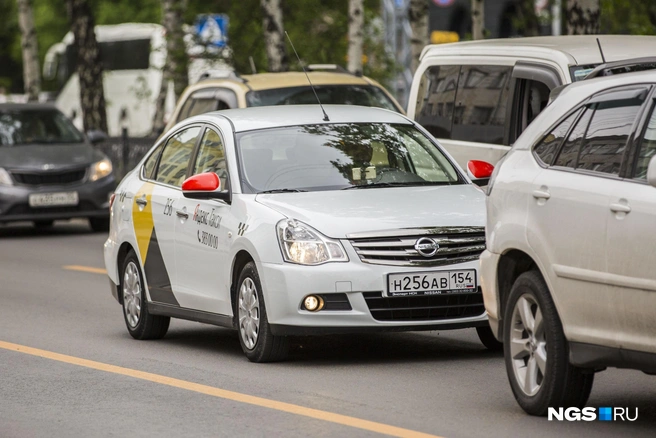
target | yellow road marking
[
  {"x": 222, "y": 393},
  {"x": 85, "y": 269}
]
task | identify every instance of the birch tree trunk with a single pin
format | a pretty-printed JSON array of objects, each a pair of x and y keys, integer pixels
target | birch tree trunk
[
  {"x": 582, "y": 17},
  {"x": 177, "y": 61},
  {"x": 355, "y": 36},
  {"x": 418, "y": 14},
  {"x": 89, "y": 66},
  {"x": 274, "y": 31},
  {"x": 31, "y": 70},
  {"x": 478, "y": 19}
]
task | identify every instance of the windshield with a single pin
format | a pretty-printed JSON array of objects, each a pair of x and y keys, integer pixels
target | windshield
[
  {"x": 31, "y": 126},
  {"x": 340, "y": 156},
  {"x": 362, "y": 95}
]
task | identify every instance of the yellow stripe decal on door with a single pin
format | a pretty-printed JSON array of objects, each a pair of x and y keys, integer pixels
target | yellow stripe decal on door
[{"x": 142, "y": 218}]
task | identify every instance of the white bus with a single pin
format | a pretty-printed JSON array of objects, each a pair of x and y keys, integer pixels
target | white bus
[{"x": 133, "y": 55}]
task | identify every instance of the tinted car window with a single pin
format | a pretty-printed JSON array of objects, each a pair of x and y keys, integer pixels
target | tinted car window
[
  {"x": 569, "y": 153},
  {"x": 202, "y": 106},
  {"x": 605, "y": 141},
  {"x": 151, "y": 162},
  {"x": 436, "y": 99},
  {"x": 36, "y": 126},
  {"x": 363, "y": 95},
  {"x": 481, "y": 102},
  {"x": 173, "y": 165},
  {"x": 547, "y": 148},
  {"x": 647, "y": 148},
  {"x": 331, "y": 157},
  {"x": 211, "y": 156}
]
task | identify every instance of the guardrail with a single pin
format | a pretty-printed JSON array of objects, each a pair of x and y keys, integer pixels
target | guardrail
[{"x": 125, "y": 153}]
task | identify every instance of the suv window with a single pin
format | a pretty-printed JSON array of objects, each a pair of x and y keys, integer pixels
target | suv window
[
  {"x": 569, "y": 152},
  {"x": 647, "y": 148},
  {"x": 211, "y": 157},
  {"x": 546, "y": 149},
  {"x": 436, "y": 99},
  {"x": 605, "y": 142},
  {"x": 482, "y": 99},
  {"x": 173, "y": 166}
]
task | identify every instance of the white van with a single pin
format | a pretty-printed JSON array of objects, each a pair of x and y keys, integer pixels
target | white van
[
  {"x": 476, "y": 97},
  {"x": 133, "y": 55}
]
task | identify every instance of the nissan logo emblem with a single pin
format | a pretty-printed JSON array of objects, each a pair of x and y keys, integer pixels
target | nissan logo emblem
[{"x": 426, "y": 246}]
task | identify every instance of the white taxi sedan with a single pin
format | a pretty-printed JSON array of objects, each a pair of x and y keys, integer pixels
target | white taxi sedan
[{"x": 280, "y": 221}]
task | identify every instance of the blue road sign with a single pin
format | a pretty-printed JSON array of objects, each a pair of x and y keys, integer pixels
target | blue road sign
[{"x": 213, "y": 29}]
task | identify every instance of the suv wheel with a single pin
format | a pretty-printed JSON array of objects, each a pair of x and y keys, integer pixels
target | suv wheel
[
  {"x": 536, "y": 351},
  {"x": 255, "y": 336}
]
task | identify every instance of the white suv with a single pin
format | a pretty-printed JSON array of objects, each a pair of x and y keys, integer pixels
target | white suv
[{"x": 568, "y": 276}]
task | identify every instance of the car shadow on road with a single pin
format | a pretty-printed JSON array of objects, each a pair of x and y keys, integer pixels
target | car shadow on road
[
  {"x": 24, "y": 230},
  {"x": 374, "y": 348}
]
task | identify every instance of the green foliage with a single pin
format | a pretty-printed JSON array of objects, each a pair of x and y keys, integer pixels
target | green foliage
[{"x": 635, "y": 17}]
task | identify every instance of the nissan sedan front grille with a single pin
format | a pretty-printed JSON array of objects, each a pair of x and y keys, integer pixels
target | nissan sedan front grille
[
  {"x": 421, "y": 247},
  {"x": 49, "y": 178}
]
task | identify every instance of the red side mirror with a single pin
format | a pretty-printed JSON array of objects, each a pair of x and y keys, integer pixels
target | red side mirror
[
  {"x": 480, "y": 169},
  {"x": 203, "y": 182}
]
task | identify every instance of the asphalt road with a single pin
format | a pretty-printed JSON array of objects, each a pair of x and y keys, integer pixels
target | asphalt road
[{"x": 69, "y": 368}]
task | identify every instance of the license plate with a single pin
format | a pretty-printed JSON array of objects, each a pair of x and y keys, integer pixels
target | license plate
[
  {"x": 53, "y": 199},
  {"x": 432, "y": 283}
]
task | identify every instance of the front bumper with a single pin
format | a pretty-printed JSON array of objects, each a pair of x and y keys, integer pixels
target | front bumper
[
  {"x": 285, "y": 285},
  {"x": 489, "y": 262},
  {"x": 93, "y": 201}
]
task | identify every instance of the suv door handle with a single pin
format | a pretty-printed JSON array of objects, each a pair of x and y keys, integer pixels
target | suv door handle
[
  {"x": 182, "y": 214},
  {"x": 541, "y": 194},
  {"x": 620, "y": 208},
  {"x": 141, "y": 201}
]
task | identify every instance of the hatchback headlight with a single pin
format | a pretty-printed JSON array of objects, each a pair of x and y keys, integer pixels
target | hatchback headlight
[
  {"x": 5, "y": 178},
  {"x": 100, "y": 169},
  {"x": 304, "y": 245}
]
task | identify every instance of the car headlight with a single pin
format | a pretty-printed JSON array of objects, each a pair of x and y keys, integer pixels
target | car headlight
[
  {"x": 304, "y": 245},
  {"x": 5, "y": 179},
  {"x": 100, "y": 169}
]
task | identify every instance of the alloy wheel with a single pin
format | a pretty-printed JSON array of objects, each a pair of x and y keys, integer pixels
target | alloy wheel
[
  {"x": 528, "y": 345},
  {"x": 249, "y": 313},
  {"x": 132, "y": 294}
]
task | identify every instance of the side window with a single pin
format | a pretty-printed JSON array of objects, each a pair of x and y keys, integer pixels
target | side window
[
  {"x": 605, "y": 141},
  {"x": 570, "y": 151},
  {"x": 482, "y": 100},
  {"x": 535, "y": 96},
  {"x": 149, "y": 165},
  {"x": 186, "y": 107},
  {"x": 647, "y": 147},
  {"x": 211, "y": 157},
  {"x": 436, "y": 99},
  {"x": 548, "y": 146},
  {"x": 173, "y": 165},
  {"x": 202, "y": 106}
]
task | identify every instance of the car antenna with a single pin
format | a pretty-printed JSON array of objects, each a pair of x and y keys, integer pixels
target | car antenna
[
  {"x": 253, "y": 69},
  {"x": 325, "y": 116},
  {"x": 601, "y": 51}
]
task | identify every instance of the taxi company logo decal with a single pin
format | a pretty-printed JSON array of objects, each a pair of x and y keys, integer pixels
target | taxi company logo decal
[
  {"x": 426, "y": 246},
  {"x": 204, "y": 217},
  {"x": 242, "y": 228}
]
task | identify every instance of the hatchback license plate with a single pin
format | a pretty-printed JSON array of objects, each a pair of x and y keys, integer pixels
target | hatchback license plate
[
  {"x": 53, "y": 199},
  {"x": 432, "y": 283}
]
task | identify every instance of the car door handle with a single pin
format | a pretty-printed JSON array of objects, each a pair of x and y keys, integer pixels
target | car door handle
[
  {"x": 541, "y": 194},
  {"x": 141, "y": 201},
  {"x": 182, "y": 214},
  {"x": 620, "y": 208}
]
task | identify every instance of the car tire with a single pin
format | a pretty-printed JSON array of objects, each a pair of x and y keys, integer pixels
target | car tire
[
  {"x": 255, "y": 337},
  {"x": 487, "y": 338},
  {"x": 42, "y": 225},
  {"x": 139, "y": 322},
  {"x": 529, "y": 343},
  {"x": 99, "y": 224}
]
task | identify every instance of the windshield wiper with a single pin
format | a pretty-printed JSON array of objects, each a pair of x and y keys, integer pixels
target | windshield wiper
[{"x": 281, "y": 191}]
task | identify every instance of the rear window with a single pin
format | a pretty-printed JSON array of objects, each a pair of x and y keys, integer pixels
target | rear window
[{"x": 362, "y": 95}]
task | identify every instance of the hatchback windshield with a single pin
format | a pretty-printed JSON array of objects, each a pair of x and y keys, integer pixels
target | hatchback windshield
[
  {"x": 340, "y": 156},
  {"x": 32, "y": 126},
  {"x": 328, "y": 94}
]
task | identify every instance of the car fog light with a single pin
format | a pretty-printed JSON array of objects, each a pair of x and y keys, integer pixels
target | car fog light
[{"x": 313, "y": 303}]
